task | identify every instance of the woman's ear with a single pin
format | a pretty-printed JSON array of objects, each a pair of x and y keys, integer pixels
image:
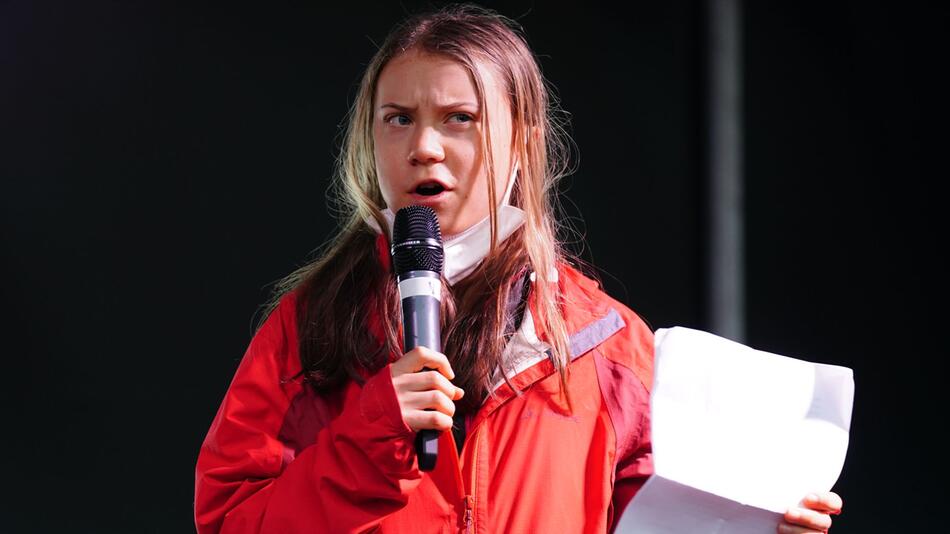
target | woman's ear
[{"x": 534, "y": 134}]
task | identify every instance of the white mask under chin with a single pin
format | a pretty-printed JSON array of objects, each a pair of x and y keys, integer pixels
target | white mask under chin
[{"x": 466, "y": 250}]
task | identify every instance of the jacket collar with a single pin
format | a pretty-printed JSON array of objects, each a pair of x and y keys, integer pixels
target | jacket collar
[{"x": 590, "y": 321}]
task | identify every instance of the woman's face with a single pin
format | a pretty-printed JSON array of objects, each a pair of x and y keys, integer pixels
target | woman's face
[{"x": 427, "y": 141}]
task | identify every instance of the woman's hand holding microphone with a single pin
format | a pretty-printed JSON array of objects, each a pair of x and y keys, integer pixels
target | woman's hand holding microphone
[{"x": 426, "y": 399}]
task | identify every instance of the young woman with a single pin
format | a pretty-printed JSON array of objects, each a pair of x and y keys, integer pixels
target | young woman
[{"x": 542, "y": 393}]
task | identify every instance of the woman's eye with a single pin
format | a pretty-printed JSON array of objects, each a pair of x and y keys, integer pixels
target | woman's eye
[
  {"x": 398, "y": 120},
  {"x": 462, "y": 117}
]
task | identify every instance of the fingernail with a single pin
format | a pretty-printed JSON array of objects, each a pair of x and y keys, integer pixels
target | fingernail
[
  {"x": 461, "y": 391},
  {"x": 793, "y": 515},
  {"x": 812, "y": 497}
]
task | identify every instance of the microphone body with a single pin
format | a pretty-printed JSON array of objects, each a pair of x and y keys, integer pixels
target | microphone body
[
  {"x": 421, "y": 298},
  {"x": 417, "y": 259}
]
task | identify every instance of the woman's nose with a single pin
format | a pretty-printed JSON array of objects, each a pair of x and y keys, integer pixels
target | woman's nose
[{"x": 426, "y": 147}]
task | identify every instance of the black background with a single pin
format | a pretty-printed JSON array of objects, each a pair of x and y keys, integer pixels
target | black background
[{"x": 163, "y": 163}]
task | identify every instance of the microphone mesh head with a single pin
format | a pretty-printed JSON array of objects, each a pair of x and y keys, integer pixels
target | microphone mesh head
[{"x": 417, "y": 241}]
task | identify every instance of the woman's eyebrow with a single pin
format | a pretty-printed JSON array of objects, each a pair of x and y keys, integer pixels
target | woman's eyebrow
[{"x": 442, "y": 107}]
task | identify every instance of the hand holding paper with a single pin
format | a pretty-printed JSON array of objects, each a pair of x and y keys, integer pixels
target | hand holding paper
[{"x": 739, "y": 435}]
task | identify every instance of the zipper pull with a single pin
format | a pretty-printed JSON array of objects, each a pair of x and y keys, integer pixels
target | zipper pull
[{"x": 469, "y": 519}]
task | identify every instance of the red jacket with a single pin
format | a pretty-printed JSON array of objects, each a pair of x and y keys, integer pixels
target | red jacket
[{"x": 279, "y": 458}]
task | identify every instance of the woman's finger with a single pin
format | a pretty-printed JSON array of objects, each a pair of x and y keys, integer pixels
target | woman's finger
[
  {"x": 811, "y": 520},
  {"x": 421, "y": 358},
  {"x": 828, "y": 502},
  {"x": 426, "y": 400},
  {"x": 425, "y": 382},
  {"x": 418, "y": 420},
  {"x": 785, "y": 528}
]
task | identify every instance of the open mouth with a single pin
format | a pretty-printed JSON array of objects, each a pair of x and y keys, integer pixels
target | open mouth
[{"x": 429, "y": 189}]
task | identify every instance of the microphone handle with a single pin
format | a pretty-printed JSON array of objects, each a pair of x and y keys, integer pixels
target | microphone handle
[{"x": 422, "y": 328}]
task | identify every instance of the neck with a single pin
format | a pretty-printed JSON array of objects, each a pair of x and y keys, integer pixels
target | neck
[{"x": 465, "y": 250}]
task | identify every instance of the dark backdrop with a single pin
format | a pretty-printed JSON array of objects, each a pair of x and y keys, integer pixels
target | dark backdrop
[{"x": 162, "y": 164}]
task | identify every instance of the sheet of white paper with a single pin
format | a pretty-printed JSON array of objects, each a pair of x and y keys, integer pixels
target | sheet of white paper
[{"x": 739, "y": 435}]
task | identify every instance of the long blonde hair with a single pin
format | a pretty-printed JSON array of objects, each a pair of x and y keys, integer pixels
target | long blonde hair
[{"x": 350, "y": 270}]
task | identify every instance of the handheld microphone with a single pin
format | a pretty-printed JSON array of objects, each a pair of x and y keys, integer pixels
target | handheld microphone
[{"x": 417, "y": 259}]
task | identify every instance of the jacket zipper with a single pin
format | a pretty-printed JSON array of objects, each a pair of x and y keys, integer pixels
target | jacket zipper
[
  {"x": 472, "y": 442},
  {"x": 468, "y": 514},
  {"x": 470, "y": 499}
]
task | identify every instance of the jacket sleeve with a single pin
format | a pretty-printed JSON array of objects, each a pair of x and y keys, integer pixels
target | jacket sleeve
[
  {"x": 631, "y": 402},
  {"x": 633, "y": 470},
  {"x": 359, "y": 469}
]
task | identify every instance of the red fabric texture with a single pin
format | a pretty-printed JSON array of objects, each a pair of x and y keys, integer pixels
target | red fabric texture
[{"x": 280, "y": 458}]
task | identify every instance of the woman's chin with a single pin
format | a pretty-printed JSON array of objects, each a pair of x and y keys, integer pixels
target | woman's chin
[{"x": 451, "y": 222}]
